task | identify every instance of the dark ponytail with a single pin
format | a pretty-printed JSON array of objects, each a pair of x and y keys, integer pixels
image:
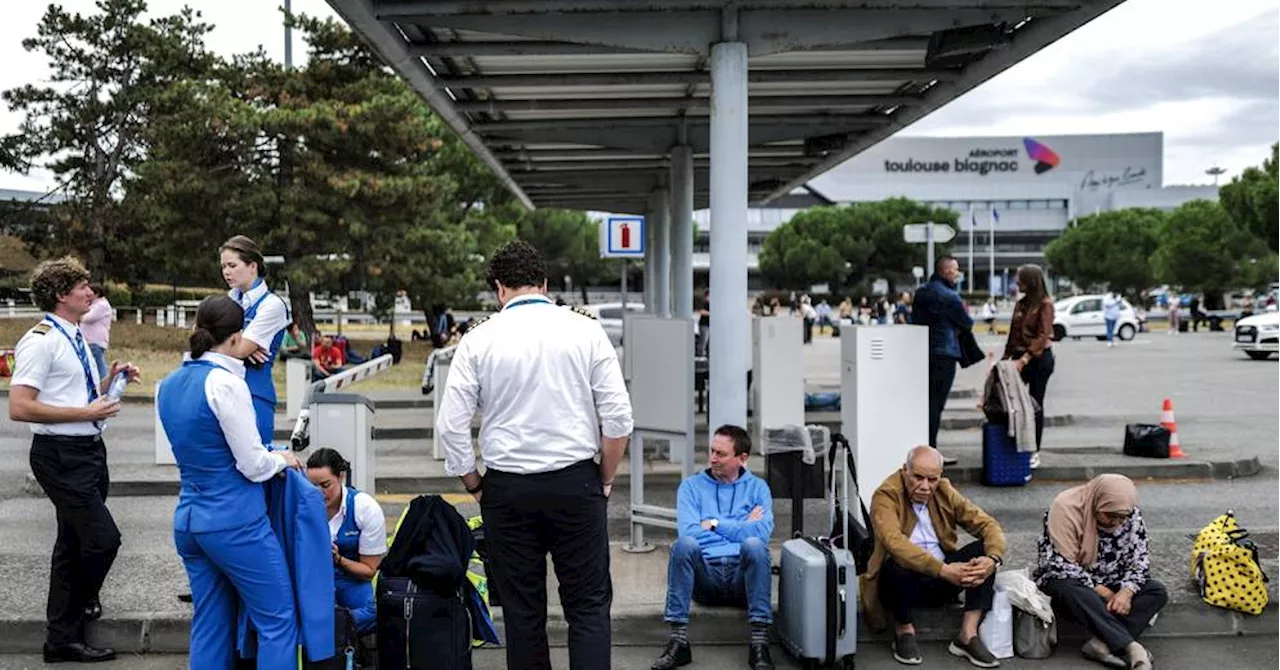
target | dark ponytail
[
  {"x": 217, "y": 318},
  {"x": 329, "y": 458}
]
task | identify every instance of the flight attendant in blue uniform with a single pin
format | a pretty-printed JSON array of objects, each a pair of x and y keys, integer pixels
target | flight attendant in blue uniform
[
  {"x": 358, "y": 529},
  {"x": 220, "y": 527},
  {"x": 266, "y": 316}
]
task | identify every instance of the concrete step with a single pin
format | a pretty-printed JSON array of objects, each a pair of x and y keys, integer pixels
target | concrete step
[
  {"x": 162, "y": 624},
  {"x": 418, "y": 424}
]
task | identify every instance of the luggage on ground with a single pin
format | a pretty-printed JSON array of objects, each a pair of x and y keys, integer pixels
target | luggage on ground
[
  {"x": 1146, "y": 440},
  {"x": 1225, "y": 567},
  {"x": 1002, "y": 463},
  {"x": 420, "y": 629},
  {"x": 1032, "y": 637},
  {"x": 818, "y": 592},
  {"x": 855, "y": 533},
  {"x": 346, "y": 642}
]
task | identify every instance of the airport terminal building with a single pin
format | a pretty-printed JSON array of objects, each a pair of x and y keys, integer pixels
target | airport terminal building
[{"x": 1030, "y": 188}]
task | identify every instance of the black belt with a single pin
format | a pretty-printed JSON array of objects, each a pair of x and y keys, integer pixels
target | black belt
[{"x": 76, "y": 440}]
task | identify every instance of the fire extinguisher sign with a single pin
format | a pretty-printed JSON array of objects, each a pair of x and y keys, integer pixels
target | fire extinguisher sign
[{"x": 622, "y": 237}]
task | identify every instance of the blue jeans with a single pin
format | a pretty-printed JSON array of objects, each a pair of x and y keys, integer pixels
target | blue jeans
[
  {"x": 742, "y": 580},
  {"x": 1111, "y": 329},
  {"x": 100, "y": 358}
]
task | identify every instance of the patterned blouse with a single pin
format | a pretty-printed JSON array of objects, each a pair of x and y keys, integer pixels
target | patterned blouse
[{"x": 1124, "y": 559}]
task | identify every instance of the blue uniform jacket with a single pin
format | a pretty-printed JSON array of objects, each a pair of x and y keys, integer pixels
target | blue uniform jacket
[
  {"x": 298, "y": 517},
  {"x": 938, "y": 305}
]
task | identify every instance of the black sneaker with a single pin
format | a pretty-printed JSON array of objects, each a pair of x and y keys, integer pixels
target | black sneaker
[
  {"x": 758, "y": 658},
  {"x": 906, "y": 651},
  {"x": 675, "y": 655},
  {"x": 975, "y": 651}
]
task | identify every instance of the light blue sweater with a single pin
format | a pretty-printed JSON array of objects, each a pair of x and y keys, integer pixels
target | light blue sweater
[{"x": 702, "y": 497}]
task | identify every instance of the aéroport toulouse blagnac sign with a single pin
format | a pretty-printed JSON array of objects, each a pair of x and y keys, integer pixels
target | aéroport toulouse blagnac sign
[{"x": 983, "y": 161}]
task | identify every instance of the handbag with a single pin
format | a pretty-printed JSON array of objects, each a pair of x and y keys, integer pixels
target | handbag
[
  {"x": 861, "y": 542},
  {"x": 1032, "y": 637},
  {"x": 1225, "y": 567},
  {"x": 1146, "y": 440}
]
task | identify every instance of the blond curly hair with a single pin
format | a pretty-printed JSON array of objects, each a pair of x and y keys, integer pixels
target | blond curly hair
[{"x": 55, "y": 278}]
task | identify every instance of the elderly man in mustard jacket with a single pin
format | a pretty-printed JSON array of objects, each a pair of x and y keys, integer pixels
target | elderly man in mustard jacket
[{"x": 918, "y": 562}]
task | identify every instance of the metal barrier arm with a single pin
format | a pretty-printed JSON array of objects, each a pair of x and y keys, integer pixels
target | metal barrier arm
[{"x": 301, "y": 438}]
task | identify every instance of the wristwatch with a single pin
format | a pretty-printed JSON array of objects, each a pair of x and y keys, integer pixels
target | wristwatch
[
  {"x": 714, "y": 523},
  {"x": 996, "y": 559},
  {"x": 478, "y": 487}
]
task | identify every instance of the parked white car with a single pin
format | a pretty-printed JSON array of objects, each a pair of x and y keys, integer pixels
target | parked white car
[
  {"x": 1258, "y": 336},
  {"x": 1081, "y": 316},
  {"x": 610, "y": 316}
]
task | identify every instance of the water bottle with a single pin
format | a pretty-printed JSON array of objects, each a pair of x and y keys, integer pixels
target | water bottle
[{"x": 116, "y": 390}]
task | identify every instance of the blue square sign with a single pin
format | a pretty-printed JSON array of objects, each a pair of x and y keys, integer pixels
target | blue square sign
[{"x": 622, "y": 237}]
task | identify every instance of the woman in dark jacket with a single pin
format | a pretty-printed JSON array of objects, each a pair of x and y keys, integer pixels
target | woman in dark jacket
[{"x": 1031, "y": 340}]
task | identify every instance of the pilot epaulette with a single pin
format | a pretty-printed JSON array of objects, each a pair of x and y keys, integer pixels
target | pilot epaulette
[
  {"x": 41, "y": 328},
  {"x": 579, "y": 310},
  {"x": 476, "y": 322}
]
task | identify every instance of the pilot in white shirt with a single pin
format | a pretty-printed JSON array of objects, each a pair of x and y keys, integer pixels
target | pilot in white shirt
[
  {"x": 547, "y": 381},
  {"x": 55, "y": 388}
]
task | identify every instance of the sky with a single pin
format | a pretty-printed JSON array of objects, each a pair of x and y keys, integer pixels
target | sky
[{"x": 1207, "y": 74}]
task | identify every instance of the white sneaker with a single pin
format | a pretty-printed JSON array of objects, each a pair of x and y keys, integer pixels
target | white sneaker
[
  {"x": 1035, "y": 460},
  {"x": 1111, "y": 344}
]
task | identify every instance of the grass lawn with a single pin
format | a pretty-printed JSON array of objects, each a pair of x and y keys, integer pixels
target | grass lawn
[{"x": 159, "y": 350}]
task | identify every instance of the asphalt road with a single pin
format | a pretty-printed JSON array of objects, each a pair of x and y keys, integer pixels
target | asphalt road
[{"x": 1173, "y": 654}]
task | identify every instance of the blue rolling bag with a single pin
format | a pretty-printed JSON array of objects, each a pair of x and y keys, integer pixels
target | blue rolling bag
[{"x": 1002, "y": 463}]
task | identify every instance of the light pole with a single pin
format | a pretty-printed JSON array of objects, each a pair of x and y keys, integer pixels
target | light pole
[{"x": 1215, "y": 172}]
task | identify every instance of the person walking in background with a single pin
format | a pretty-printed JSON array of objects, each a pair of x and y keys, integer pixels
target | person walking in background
[
  {"x": 1175, "y": 314},
  {"x": 1111, "y": 304},
  {"x": 265, "y": 317},
  {"x": 937, "y": 304},
  {"x": 554, "y": 402},
  {"x": 96, "y": 326},
  {"x": 1031, "y": 341},
  {"x": 989, "y": 316}
]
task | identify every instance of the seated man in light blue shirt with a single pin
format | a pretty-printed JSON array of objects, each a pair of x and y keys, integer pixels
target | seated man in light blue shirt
[{"x": 725, "y": 517}]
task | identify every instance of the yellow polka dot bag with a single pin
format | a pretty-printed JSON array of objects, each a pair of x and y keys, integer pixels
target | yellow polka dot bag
[{"x": 1225, "y": 567}]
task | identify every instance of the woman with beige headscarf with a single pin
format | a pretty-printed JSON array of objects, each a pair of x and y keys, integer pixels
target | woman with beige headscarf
[{"x": 1095, "y": 563}]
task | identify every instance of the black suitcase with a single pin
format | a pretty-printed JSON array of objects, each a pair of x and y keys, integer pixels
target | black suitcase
[
  {"x": 346, "y": 642},
  {"x": 421, "y": 630}
]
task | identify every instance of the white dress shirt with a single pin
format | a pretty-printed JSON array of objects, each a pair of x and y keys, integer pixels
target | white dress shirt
[
  {"x": 369, "y": 519},
  {"x": 547, "y": 382},
  {"x": 271, "y": 318},
  {"x": 924, "y": 536},
  {"x": 46, "y": 361},
  {"x": 228, "y": 397}
]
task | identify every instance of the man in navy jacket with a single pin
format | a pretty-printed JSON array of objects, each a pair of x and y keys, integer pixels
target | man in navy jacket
[{"x": 939, "y": 306}]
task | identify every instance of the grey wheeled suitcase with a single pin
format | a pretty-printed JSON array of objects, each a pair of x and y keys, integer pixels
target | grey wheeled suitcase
[{"x": 818, "y": 595}]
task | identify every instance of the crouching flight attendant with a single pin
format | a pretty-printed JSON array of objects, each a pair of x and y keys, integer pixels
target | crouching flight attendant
[
  {"x": 359, "y": 533},
  {"x": 266, "y": 316},
  {"x": 220, "y": 527}
]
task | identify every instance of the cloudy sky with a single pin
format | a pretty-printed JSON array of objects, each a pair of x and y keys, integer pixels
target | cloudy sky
[{"x": 1204, "y": 73}]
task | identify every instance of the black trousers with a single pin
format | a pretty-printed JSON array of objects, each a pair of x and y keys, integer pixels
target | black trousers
[
  {"x": 73, "y": 473},
  {"x": 1036, "y": 374},
  {"x": 1081, "y": 604},
  {"x": 902, "y": 590},
  {"x": 942, "y": 374},
  {"x": 563, "y": 513}
]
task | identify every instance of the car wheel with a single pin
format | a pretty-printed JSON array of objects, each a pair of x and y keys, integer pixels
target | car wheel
[
  {"x": 1127, "y": 332},
  {"x": 1059, "y": 333},
  {"x": 1259, "y": 355}
]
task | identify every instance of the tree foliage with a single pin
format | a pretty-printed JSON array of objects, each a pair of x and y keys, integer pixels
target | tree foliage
[
  {"x": 1253, "y": 199},
  {"x": 570, "y": 243},
  {"x": 1110, "y": 249},
  {"x": 1202, "y": 248},
  {"x": 846, "y": 245}
]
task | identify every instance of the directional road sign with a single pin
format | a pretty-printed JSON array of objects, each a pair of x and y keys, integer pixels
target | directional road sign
[{"x": 919, "y": 232}]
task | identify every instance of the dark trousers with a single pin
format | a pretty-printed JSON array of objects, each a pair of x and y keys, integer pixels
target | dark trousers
[
  {"x": 902, "y": 590},
  {"x": 1081, "y": 604},
  {"x": 73, "y": 473},
  {"x": 942, "y": 374},
  {"x": 1036, "y": 374},
  {"x": 563, "y": 513}
]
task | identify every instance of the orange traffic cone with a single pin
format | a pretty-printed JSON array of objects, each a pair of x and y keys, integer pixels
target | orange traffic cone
[{"x": 1167, "y": 420}]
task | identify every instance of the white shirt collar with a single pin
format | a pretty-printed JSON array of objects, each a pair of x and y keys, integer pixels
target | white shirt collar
[
  {"x": 233, "y": 365},
  {"x": 71, "y": 328},
  {"x": 252, "y": 295},
  {"x": 530, "y": 297}
]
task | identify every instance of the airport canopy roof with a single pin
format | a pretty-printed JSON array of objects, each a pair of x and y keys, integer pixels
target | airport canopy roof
[{"x": 576, "y": 103}]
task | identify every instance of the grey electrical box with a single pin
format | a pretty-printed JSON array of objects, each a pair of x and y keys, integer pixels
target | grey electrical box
[{"x": 344, "y": 421}]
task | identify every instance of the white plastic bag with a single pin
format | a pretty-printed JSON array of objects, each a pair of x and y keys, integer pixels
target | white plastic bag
[
  {"x": 1024, "y": 595},
  {"x": 812, "y": 441},
  {"x": 996, "y": 631}
]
